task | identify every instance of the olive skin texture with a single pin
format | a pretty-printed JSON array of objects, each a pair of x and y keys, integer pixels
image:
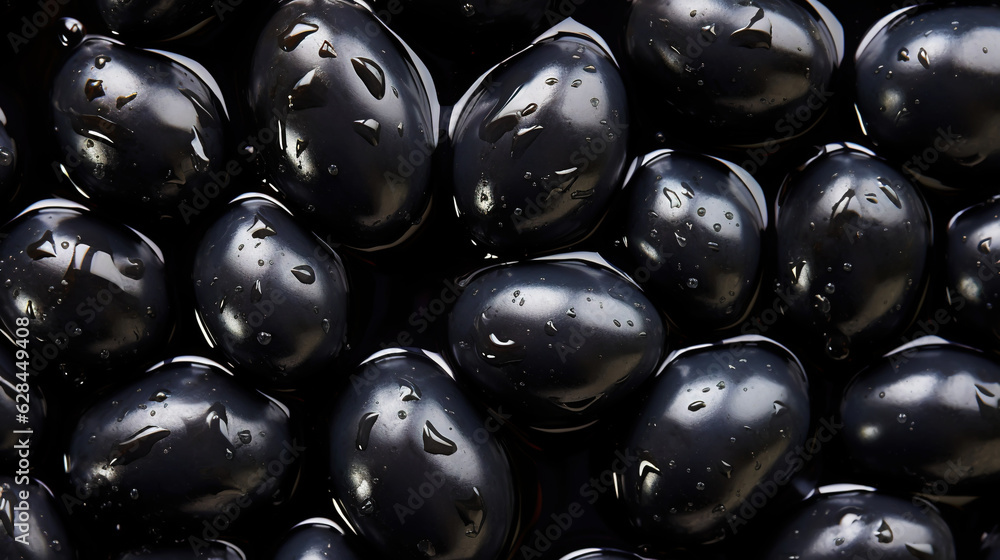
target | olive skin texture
[
  {"x": 972, "y": 267},
  {"x": 353, "y": 120},
  {"x": 315, "y": 539},
  {"x": 206, "y": 550},
  {"x": 926, "y": 415},
  {"x": 736, "y": 70},
  {"x": 554, "y": 343},
  {"x": 47, "y": 537},
  {"x": 415, "y": 466},
  {"x": 924, "y": 87},
  {"x": 179, "y": 446},
  {"x": 853, "y": 243},
  {"x": 137, "y": 130},
  {"x": 539, "y": 147},
  {"x": 15, "y": 392},
  {"x": 717, "y": 422},
  {"x": 692, "y": 231},
  {"x": 270, "y": 294},
  {"x": 156, "y": 19},
  {"x": 96, "y": 291},
  {"x": 864, "y": 525}
]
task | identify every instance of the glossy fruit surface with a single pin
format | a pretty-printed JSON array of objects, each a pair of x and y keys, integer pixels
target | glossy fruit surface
[
  {"x": 718, "y": 423},
  {"x": 854, "y": 237},
  {"x": 139, "y": 130},
  {"x": 923, "y": 91},
  {"x": 926, "y": 419},
  {"x": 539, "y": 146},
  {"x": 749, "y": 72},
  {"x": 865, "y": 525},
  {"x": 693, "y": 229},
  {"x": 94, "y": 292},
  {"x": 199, "y": 550},
  {"x": 416, "y": 467},
  {"x": 184, "y": 442},
  {"x": 973, "y": 267},
  {"x": 353, "y": 121},
  {"x": 316, "y": 538},
  {"x": 270, "y": 293},
  {"x": 31, "y": 527},
  {"x": 554, "y": 342}
]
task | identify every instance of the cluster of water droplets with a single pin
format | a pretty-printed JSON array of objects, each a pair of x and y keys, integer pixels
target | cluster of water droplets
[
  {"x": 310, "y": 91},
  {"x": 260, "y": 229},
  {"x": 472, "y": 509}
]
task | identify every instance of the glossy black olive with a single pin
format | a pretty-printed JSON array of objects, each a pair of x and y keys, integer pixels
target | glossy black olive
[
  {"x": 317, "y": 538},
  {"x": 853, "y": 245},
  {"x": 554, "y": 343},
  {"x": 30, "y": 525},
  {"x": 269, "y": 293},
  {"x": 744, "y": 72},
  {"x": 924, "y": 92},
  {"x": 415, "y": 467},
  {"x": 199, "y": 550},
  {"x": 927, "y": 419},
  {"x": 692, "y": 231},
  {"x": 94, "y": 293},
  {"x": 973, "y": 268},
  {"x": 539, "y": 145},
  {"x": 864, "y": 525},
  {"x": 139, "y": 130},
  {"x": 184, "y": 444},
  {"x": 353, "y": 121},
  {"x": 723, "y": 425}
]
